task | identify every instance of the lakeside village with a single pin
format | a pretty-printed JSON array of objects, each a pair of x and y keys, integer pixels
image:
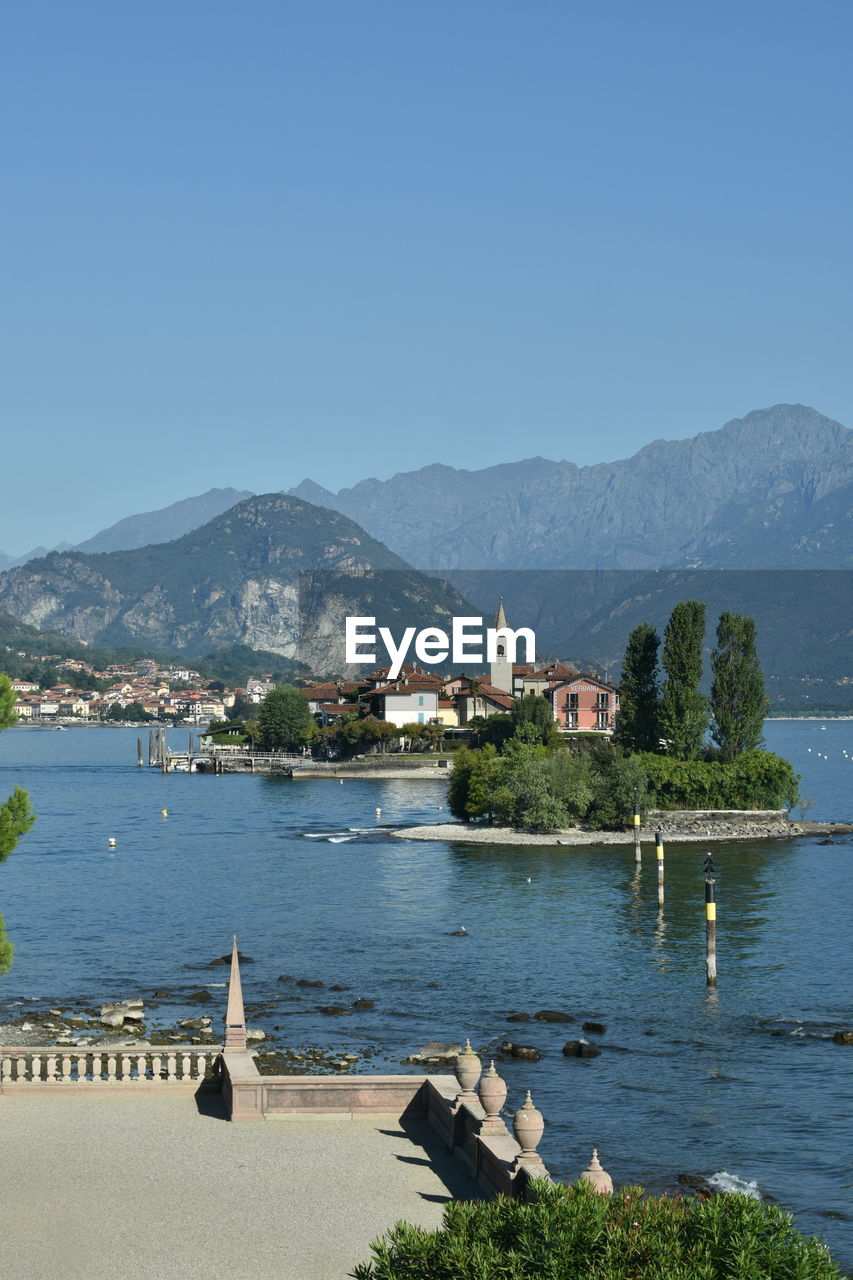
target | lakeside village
[{"x": 440, "y": 706}]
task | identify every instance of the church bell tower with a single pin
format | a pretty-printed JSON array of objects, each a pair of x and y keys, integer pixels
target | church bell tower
[{"x": 500, "y": 671}]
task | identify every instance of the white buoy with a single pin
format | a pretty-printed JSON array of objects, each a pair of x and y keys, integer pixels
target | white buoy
[
  {"x": 165, "y": 812},
  {"x": 378, "y": 811},
  {"x": 112, "y": 842}
]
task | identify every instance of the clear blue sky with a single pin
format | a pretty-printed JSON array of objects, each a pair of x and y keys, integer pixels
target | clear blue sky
[{"x": 242, "y": 244}]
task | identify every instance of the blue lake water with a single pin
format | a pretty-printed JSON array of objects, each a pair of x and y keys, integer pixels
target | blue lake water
[{"x": 688, "y": 1081}]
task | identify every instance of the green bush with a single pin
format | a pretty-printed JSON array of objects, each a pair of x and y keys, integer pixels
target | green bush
[
  {"x": 753, "y": 780},
  {"x": 573, "y": 1233}
]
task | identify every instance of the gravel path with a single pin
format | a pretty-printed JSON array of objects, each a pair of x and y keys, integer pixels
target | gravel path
[{"x": 153, "y": 1189}]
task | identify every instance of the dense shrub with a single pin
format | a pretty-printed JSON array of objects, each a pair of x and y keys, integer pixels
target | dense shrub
[
  {"x": 572, "y": 1233},
  {"x": 543, "y": 790},
  {"x": 754, "y": 780}
]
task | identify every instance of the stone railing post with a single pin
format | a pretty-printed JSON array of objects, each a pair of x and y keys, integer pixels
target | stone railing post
[{"x": 596, "y": 1177}]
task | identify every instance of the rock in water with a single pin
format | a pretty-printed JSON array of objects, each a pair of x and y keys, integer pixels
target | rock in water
[
  {"x": 552, "y": 1015},
  {"x": 527, "y": 1052},
  {"x": 580, "y": 1049}
]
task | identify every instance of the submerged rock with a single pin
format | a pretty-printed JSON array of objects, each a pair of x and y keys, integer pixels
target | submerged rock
[
  {"x": 552, "y": 1015},
  {"x": 519, "y": 1017},
  {"x": 334, "y": 1010},
  {"x": 596, "y": 1028},
  {"x": 843, "y": 1037}
]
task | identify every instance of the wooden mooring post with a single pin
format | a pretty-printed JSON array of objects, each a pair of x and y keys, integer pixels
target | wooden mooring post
[
  {"x": 152, "y": 758},
  {"x": 139, "y": 752}
]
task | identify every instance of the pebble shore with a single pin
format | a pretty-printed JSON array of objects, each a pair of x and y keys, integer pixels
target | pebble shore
[{"x": 693, "y": 832}]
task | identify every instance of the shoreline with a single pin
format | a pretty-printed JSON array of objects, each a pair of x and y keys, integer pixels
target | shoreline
[{"x": 471, "y": 833}]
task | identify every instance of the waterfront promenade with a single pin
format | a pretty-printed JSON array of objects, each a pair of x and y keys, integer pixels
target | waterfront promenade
[{"x": 160, "y": 1188}]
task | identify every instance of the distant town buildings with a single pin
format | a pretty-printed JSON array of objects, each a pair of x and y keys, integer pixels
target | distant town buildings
[{"x": 581, "y": 702}]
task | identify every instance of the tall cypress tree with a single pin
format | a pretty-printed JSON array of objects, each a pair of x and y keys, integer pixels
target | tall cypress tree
[
  {"x": 16, "y": 817},
  {"x": 639, "y": 691},
  {"x": 739, "y": 702},
  {"x": 683, "y": 709}
]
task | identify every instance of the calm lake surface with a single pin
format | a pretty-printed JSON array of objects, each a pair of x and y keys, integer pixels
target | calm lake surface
[{"x": 744, "y": 1080}]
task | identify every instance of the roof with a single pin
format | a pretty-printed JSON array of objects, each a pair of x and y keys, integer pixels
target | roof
[
  {"x": 412, "y": 686},
  {"x": 578, "y": 676},
  {"x": 555, "y": 671}
]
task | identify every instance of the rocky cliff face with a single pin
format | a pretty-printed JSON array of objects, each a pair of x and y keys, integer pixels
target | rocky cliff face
[
  {"x": 273, "y": 572},
  {"x": 781, "y": 478}
]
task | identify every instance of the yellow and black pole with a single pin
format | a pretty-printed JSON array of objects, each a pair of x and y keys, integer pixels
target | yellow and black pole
[
  {"x": 638, "y": 853},
  {"x": 659, "y": 853},
  {"x": 710, "y": 922}
]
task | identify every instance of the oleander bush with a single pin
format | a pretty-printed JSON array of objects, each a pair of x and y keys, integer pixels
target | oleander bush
[{"x": 573, "y": 1233}]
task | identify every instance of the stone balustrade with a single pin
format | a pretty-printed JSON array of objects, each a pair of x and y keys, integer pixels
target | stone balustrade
[{"x": 51, "y": 1067}]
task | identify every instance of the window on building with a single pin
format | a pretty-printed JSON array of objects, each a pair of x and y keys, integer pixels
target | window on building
[
  {"x": 573, "y": 701},
  {"x": 572, "y": 720}
]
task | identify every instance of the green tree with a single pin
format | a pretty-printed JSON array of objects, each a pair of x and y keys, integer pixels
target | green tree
[
  {"x": 243, "y": 709},
  {"x": 484, "y": 779},
  {"x": 683, "y": 708},
  {"x": 284, "y": 718},
  {"x": 739, "y": 702},
  {"x": 637, "y": 726},
  {"x": 526, "y": 780},
  {"x": 133, "y": 711},
  {"x": 7, "y": 703},
  {"x": 533, "y": 718},
  {"x": 16, "y": 816}
]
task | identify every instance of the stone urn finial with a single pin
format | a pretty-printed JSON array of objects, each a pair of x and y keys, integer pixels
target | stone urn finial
[
  {"x": 468, "y": 1068},
  {"x": 528, "y": 1125},
  {"x": 492, "y": 1094},
  {"x": 599, "y": 1179}
]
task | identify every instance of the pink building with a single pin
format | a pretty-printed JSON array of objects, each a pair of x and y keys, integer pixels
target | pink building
[{"x": 585, "y": 702}]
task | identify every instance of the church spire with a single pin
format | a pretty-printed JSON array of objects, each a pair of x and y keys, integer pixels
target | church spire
[{"x": 500, "y": 619}]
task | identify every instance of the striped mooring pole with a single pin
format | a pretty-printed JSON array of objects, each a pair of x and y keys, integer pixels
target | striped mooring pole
[
  {"x": 638, "y": 853},
  {"x": 710, "y": 923},
  {"x": 659, "y": 853}
]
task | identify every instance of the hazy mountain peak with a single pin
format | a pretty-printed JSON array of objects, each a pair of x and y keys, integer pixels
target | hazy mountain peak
[{"x": 152, "y": 527}]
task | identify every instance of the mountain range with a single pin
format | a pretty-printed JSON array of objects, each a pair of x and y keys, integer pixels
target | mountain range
[
  {"x": 273, "y": 572},
  {"x": 771, "y": 490},
  {"x": 577, "y": 552}
]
